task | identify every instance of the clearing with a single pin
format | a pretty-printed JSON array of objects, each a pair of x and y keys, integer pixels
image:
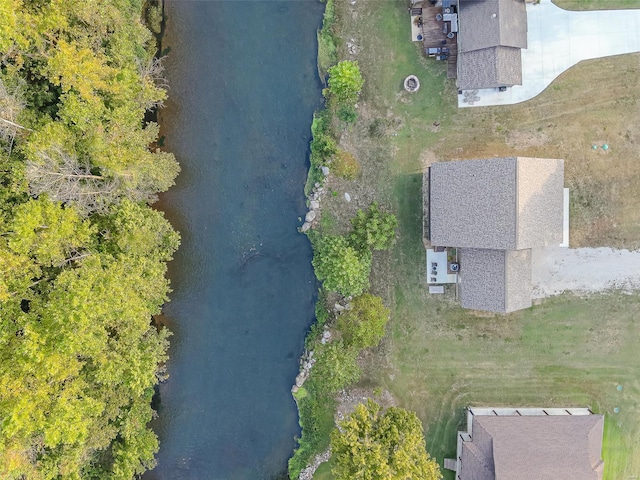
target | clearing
[{"x": 438, "y": 358}]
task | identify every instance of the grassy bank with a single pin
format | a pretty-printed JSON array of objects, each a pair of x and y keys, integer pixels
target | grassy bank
[{"x": 438, "y": 358}]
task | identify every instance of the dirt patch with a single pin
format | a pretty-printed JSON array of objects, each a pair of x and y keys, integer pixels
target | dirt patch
[
  {"x": 522, "y": 140},
  {"x": 348, "y": 400}
]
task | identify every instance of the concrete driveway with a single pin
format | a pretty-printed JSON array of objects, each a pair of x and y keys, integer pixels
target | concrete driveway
[{"x": 558, "y": 39}]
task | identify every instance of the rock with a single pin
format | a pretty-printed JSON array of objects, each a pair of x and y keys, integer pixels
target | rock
[
  {"x": 295, "y": 389},
  {"x": 311, "y": 216},
  {"x": 325, "y": 170},
  {"x": 347, "y": 197},
  {"x": 317, "y": 185},
  {"x": 314, "y": 204},
  {"x": 305, "y": 227},
  {"x": 311, "y": 354},
  {"x": 300, "y": 379},
  {"x": 338, "y": 308},
  {"x": 326, "y": 335}
]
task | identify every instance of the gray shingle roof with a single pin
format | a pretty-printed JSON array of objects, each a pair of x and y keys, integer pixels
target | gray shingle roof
[
  {"x": 495, "y": 280},
  {"x": 490, "y": 37},
  {"x": 566, "y": 447},
  {"x": 490, "y": 68},
  {"x": 495, "y": 210},
  {"x": 492, "y": 23},
  {"x": 499, "y": 203}
]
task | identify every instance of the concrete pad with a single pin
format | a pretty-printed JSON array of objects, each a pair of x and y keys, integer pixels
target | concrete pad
[{"x": 557, "y": 39}]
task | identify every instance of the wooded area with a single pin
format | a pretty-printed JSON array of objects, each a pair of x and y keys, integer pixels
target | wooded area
[{"x": 82, "y": 255}]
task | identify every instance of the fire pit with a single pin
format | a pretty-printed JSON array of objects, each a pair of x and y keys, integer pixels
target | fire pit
[{"x": 411, "y": 84}]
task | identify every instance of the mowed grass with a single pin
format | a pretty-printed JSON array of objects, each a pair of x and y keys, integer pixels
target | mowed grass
[
  {"x": 597, "y": 4},
  {"x": 568, "y": 351}
]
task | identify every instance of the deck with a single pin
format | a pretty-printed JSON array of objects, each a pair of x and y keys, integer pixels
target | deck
[{"x": 433, "y": 36}]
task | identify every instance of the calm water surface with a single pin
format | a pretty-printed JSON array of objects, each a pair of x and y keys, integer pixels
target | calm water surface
[{"x": 243, "y": 87}]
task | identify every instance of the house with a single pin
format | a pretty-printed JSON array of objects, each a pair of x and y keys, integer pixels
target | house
[
  {"x": 491, "y": 34},
  {"x": 494, "y": 211},
  {"x": 530, "y": 444}
]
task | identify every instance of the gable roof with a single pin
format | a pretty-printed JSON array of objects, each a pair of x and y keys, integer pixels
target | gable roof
[
  {"x": 490, "y": 37},
  {"x": 539, "y": 447},
  {"x": 492, "y": 23},
  {"x": 495, "y": 280},
  {"x": 491, "y": 67},
  {"x": 499, "y": 203}
]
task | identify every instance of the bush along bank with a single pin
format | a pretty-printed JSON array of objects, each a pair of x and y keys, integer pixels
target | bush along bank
[{"x": 348, "y": 317}]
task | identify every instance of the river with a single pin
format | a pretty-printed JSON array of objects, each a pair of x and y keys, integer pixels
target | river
[{"x": 243, "y": 87}]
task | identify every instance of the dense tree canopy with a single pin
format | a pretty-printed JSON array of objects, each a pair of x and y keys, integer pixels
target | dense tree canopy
[
  {"x": 372, "y": 445},
  {"x": 82, "y": 255}
]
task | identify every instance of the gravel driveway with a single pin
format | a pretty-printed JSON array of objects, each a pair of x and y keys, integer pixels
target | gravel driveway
[{"x": 583, "y": 270}]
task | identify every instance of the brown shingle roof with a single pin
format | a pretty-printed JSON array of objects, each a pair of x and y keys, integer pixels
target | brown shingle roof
[{"x": 566, "y": 447}]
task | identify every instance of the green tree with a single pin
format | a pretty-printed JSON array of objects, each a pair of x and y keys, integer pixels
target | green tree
[
  {"x": 341, "y": 267},
  {"x": 371, "y": 445},
  {"x": 345, "y": 81},
  {"x": 335, "y": 367},
  {"x": 373, "y": 229},
  {"x": 77, "y": 371},
  {"x": 363, "y": 324},
  {"x": 82, "y": 263}
]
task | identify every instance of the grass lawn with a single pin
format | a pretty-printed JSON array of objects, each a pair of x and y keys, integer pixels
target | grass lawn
[
  {"x": 597, "y": 4},
  {"x": 438, "y": 358}
]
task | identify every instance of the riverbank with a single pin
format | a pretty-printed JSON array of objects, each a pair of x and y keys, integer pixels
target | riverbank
[{"x": 395, "y": 136}]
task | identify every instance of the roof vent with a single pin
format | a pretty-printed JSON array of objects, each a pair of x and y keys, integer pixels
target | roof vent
[{"x": 494, "y": 15}]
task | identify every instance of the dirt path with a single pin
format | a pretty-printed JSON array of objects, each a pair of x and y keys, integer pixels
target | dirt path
[{"x": 584, "y": 270}]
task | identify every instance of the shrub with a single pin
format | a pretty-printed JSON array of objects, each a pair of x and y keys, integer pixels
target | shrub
[
  {"x": 347, "y": 113},
  {"x": 327, "y": 53},
  {"x": 373, "y": 229},
  {"x": 363, "y": 325},
  {"x": 345, "y": 81},
  {"x": 378, "y": 128},
  {"x": 336, "y": 367},
  {"x": 345, "y": 165},
  {"x": 341, "y": 267},
  {"x": 323, "y": 147}
]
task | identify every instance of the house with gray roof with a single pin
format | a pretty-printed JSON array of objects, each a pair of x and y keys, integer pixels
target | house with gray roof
[
  {"x": 491, "y": 34},
  {"x": 530, "y": 444},
  {"x": 494, "y": 211}
]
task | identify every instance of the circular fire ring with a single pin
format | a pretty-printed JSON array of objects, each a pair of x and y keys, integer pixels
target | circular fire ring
[{"x": 411, "y": 84}]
